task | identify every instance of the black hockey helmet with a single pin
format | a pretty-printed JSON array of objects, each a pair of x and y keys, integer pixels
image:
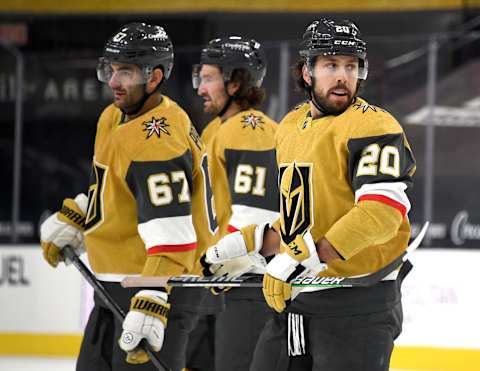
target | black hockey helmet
[
  {"x": 231, "y": 53},
  {"x": 147, "y": 46},
  {"x": 329, "y": 37}
]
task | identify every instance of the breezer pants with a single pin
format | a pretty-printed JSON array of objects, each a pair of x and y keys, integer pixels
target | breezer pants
[
  {"x": 237, "y": 328},
  {"x": 361, "y": 342}
]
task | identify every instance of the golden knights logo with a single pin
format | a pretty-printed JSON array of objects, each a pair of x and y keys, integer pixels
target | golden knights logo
[
  {"x": 295, "y": 200},
  {"x": 195, "y": 137},
  {"x": 253, "y": 121},
  {"x": 365, "y": 107},
  {"x": 156, "y": 126},
  {"x": 95, "y": 212}
]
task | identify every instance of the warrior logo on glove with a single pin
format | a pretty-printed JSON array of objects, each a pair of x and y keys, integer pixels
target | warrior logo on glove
[{"x": 295, "y": 201}]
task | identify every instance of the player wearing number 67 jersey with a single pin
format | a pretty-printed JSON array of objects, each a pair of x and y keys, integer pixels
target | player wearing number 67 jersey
[
  {"x": 148, "y": 211},
  {"x": 241, "y": 157}
]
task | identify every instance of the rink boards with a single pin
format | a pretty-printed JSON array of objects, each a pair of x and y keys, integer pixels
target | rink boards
[{"x": 43, "y": 310}]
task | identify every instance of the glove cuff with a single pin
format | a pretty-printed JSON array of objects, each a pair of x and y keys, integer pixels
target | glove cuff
[
  {"x": 253, "y": 236},
  {"x": 258, "y": 236},
  {"x": 152, "y": 303},
  {"x": 282, "y": 266},
  {"x": 229, "y": 247},
  {"x": 73, "y": 211},
  {"x": 302, "y": 251},
  {"x": 312, "y": 263}
]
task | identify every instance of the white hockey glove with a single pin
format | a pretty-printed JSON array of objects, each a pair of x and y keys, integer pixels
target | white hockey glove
[
  {"x": 237, "y": 253},
  {"x": 147, "y": 319},
  {"x": 65, "y": 227},
  {"x": 298, "y": 258}
]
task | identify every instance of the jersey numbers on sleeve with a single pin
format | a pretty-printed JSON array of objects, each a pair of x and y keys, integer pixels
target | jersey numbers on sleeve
[
  {"x": 374, "y": 159},
  {"x": 160, "y": 189},
  {"x": 250, "y": 179}
]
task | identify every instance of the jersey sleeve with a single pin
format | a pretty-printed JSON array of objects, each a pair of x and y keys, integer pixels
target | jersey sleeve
[
  {"x": 252, "y": 181},
  {"x": 162, "y": 190},
  {"x": 380, "y": 170}
]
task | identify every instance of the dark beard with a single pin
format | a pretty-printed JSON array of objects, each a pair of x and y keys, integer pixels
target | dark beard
[{"x": 333, "y": 109}]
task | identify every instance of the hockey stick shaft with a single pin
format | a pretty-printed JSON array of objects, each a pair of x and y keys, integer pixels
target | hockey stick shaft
[
  {"x": 256, "y": 281},
  {"x": 368, "y": 280},
  {"x": 118, "y": 312}
]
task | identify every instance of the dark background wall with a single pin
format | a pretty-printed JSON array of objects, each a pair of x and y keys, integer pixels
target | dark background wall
[{"x": 63, "y": 98}]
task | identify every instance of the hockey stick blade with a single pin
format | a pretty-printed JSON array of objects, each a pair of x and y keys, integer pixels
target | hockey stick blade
[
  {"x": 257, "y": 280},
  {"x": 117, "y": 311}
]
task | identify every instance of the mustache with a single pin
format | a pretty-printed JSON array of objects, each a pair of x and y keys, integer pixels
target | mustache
[{"x": 340, "y": 86}]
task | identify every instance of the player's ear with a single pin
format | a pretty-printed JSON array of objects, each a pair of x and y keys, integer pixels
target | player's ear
[
  {"x": 306, "y": 75},
  {"x": 232, "y": 88},
  {"x": 155, "y": 80}
]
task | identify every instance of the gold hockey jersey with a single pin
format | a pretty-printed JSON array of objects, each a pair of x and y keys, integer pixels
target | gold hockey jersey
[
  {"x": 149, "y": 209},
  {"x": 344, "y": 178},
  {"x": 243, "y": 169}
]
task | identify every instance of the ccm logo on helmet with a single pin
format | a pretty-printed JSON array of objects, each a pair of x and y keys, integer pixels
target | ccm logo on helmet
[{"x": 344, "y": 42}]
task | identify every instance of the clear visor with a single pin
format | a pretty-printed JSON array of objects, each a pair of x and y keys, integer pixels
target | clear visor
[
  {"x": 330, "y": 67},
  {"x": 206, "y": 78},
  {"x": 196, "y": 75},
  {"x": 122, "y": 73}
]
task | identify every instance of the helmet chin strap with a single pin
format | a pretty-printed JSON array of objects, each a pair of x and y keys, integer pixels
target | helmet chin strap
[
  {"x": 138, "y": 106},
  {"x": 227, "y": 103},
  {"x": 226, "y": 106}
]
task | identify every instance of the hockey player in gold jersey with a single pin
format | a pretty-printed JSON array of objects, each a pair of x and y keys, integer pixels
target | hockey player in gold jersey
[
  {"x": 241, "y": 157},
  {"x": 149, "y": 208},
  {"x": 344, "y": 168}
]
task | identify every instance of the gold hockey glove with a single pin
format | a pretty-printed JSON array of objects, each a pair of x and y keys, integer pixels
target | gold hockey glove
[
  {"x": 65, "y": 227},
  {"x": 147, "y": 319},
  {"x": 298, "y": 258}
]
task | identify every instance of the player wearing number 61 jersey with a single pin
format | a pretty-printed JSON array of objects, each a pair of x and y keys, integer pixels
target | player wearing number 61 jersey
[
  {"x": 241, "y": 157},
  {"x": 240, "y": 140}
]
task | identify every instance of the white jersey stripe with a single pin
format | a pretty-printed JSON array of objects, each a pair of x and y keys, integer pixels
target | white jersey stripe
[
  {"x": 394, "y": 191},
  {"x": 176, "y": 230},
  {"x": 243, "y": 215}
]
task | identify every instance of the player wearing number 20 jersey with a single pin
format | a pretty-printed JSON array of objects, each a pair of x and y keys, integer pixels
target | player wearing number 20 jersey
[
  {"x": 149, "y": 197},
  {"x": 368, "y": 165}
]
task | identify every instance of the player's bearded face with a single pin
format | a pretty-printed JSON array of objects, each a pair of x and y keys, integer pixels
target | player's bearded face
[
  {"x": 335, "y": 79},
  {"x": 212, "y": 89},
  {"x": 127, "y": 86}
]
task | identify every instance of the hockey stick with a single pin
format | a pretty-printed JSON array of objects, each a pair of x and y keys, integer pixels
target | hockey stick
[
  {"x": 118, "y": 312},
  {"x": 257, "y": 280}
]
